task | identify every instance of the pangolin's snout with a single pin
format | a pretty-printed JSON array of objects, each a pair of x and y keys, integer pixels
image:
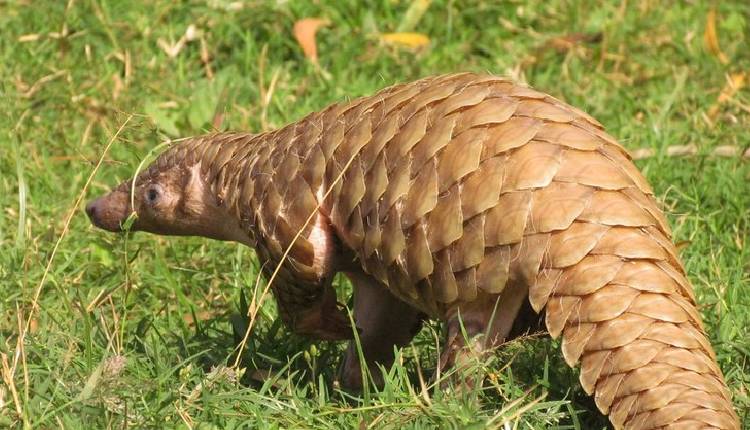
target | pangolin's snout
[
  {"x": 91, "y": 210},
  {"x": 107, "y": 212}
]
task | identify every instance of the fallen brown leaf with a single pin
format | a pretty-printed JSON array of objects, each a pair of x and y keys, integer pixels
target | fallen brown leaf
[
  {"x": 735, "y": 82},
  {"x": 711, "y": 39},
  {"x": 304, "y": 32}
]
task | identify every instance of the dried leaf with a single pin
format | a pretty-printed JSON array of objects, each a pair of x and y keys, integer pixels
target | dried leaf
[
  {"x": 304, "y": 32},
  {"x": 711, "y": 39},
  {"x": 735, "y": 82},
  {"x": 410, "y": 40},
  {"x": 567, "y": 42}
]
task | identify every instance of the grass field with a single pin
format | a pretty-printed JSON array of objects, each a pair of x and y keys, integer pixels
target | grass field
[{"x": 120, "y": 332}]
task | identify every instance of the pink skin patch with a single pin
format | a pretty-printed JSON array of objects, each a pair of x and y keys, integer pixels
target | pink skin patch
[
  {"x": 325, "y": 319},
  {"x": 321, "y": 239}
]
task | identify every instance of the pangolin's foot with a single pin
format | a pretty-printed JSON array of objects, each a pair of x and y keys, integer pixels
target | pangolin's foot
[
  {"x": 474, "y": 329},
  {"x": 325, "y": 320}
]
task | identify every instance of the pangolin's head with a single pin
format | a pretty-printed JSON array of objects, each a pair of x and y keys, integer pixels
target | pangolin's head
[{"x": 171, "y": 197}]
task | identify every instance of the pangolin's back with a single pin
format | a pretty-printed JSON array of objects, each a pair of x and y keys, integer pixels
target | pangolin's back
[{"x": 448, "y": 178}]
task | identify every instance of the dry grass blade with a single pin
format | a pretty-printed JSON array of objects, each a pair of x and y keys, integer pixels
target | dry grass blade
[
  {"x": 504, "y": 417},
  {"x": 723, "y": 151},
  {"x": 413, "y": 15},
  {"x": 22, "y": 196},
  {"x": 42, "y": 81},
  {"x": 711, "y": 38}
]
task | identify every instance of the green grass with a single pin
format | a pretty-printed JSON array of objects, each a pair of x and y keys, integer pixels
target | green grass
[{"x": 138, "y": 332}]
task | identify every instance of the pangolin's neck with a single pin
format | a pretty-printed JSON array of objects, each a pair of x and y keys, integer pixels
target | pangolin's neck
[{"x": 226, "y": 161}]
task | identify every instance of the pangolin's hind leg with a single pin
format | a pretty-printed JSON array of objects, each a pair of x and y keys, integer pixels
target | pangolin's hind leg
[
  {"x": 383, "y": 321},
  {"x": 479, "y": 326}
]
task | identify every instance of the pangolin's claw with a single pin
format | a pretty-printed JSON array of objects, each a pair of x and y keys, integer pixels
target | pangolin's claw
[
  {"x": 336, "y": 325},
  {"x": 327, "y": 319}
]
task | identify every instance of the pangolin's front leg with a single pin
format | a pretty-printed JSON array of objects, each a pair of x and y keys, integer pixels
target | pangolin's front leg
[
  {"x": 305, "y": 295},
  {"x": 317, "y": 314},
  {"x": 383, "y": 321}
]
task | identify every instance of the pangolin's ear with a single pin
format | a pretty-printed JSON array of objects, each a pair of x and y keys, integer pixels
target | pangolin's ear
[{"x": 193, "y": 191}]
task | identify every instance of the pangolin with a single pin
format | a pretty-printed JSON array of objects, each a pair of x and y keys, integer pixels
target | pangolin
[{"x": 457, "y": 197}]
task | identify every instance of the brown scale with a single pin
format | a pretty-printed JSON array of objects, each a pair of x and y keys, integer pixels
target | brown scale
[{"x": 458, "y": 193}]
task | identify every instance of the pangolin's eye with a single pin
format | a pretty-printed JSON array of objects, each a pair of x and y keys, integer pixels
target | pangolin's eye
[{"x": 152, "y": 195}]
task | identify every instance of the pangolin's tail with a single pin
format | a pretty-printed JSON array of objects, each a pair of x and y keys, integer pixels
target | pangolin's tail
[{"x": 615, "y": 290}]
